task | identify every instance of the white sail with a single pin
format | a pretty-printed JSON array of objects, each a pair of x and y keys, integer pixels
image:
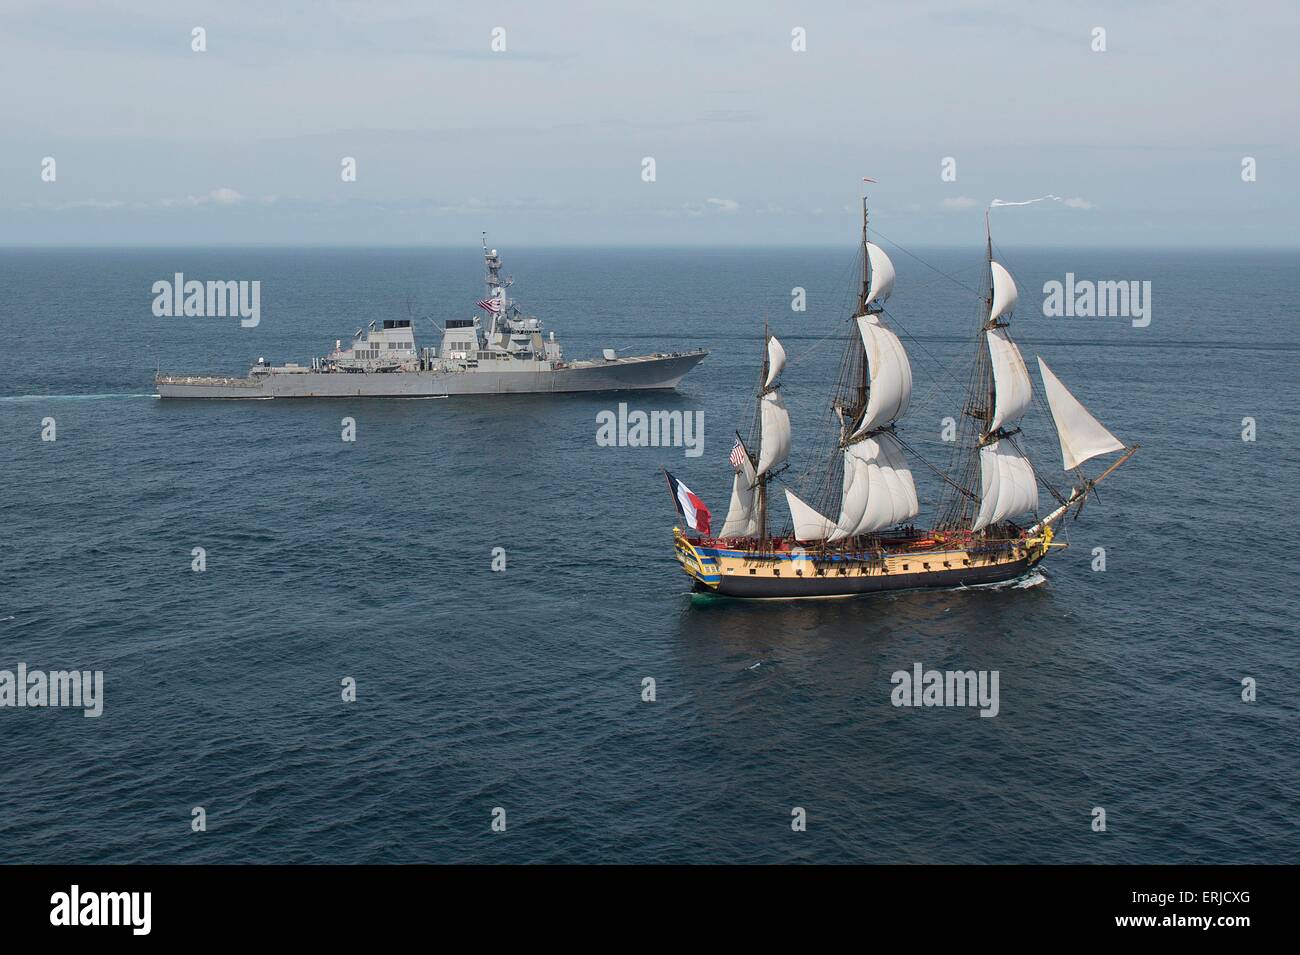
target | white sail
[
  {"x": 1005, "y": 293},
  {"x": 742, "y": 516},
  {"x": 1011, "y": 381},
  {"x": 808, "y": 524},
  {"x": 878, "y": 488},
  {"x": 776, "y": 432},
  {"x": 900, "y": 471},
  {"x": 775, "y": 361},
  {"x": 882, "y": 274},
  {"x": 891, "y": 374},
  {"x": 853, "y": 499},
  {"x": 891, "y": 494},
  {"x": 1082, "y": 436},
  {"x": 1009, "y": 488}
]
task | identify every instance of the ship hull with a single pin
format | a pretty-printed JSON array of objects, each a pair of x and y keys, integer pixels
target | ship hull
[
  {"x": 653, "y": 372},
  {"x": 793, "y": 575},
  {"x": 798, "y": 588}
]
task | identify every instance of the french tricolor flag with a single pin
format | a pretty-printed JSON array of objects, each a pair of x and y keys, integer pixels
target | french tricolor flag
[{"x": 688, "y": 505}]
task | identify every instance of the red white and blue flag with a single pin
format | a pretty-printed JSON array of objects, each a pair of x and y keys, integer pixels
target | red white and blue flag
[
  {"x": 493, "y": 305},
  {"x": 738, "y": 455},
  {"x": 689, "y": 506}
]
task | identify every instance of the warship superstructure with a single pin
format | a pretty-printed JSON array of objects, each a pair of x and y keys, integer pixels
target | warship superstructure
[
  {"x": 511, "y": 354},
  {"x": 990, "y": 528}
]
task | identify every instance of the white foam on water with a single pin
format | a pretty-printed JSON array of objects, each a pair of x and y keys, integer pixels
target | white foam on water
[
  {"x": 70, "y": 397},
  {"x": 1034, "y": 578}
]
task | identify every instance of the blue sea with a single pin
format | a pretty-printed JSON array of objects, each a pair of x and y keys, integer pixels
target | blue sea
[{"x": 522, "y": 689}]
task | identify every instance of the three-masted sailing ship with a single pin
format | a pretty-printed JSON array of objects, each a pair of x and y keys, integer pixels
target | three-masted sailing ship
[{"x": 989, "y": 528}]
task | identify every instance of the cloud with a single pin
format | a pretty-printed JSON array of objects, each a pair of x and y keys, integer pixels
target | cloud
[
  {"x": 724, "y": 205},
  {"x": 76, "y": 204},
  {"x": 224, "y": 196},
  {"x": 1077, "y": 203},
  {"x": 958, "y": 203}
]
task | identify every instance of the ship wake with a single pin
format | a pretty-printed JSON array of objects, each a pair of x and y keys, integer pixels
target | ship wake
[
  {"x": 14, "y": 398},
  {"x": 1034, "y": 578}
]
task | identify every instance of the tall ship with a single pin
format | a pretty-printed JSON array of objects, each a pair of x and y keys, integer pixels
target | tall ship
[
  {"x": 511, "y": 354},
  {"x": 990, "y": 527}
]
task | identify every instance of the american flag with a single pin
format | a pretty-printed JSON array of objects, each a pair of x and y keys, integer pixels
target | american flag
[
  {"x": 491, "y": 304},
  {"x": 738, "y": 455}
]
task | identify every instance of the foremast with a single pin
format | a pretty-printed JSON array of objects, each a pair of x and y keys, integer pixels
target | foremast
[
  {"x": 989, "y": 456},
  {"x": 498, "y": 299},
  {"x": 510, "y": 331}
]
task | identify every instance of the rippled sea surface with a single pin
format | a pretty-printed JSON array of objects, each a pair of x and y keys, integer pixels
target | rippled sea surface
[{"x": 522, "y": 689}]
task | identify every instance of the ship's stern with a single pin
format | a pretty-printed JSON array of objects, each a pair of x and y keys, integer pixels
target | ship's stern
[
  {"x": 700, "y": 565},
  {"x": 207, "y": 386}
]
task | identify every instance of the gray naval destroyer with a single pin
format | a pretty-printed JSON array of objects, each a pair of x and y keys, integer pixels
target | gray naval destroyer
[{"x": 509, "y": 356}]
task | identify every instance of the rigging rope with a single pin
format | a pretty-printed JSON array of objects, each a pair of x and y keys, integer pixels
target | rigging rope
[
  {"x": 920, "y": 457},
  {"x": 1041, "y": 480},
  {"x": 932, "y": 268}
]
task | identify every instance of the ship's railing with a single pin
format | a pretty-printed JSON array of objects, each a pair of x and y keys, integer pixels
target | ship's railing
[{"x": 205, "y": 380}]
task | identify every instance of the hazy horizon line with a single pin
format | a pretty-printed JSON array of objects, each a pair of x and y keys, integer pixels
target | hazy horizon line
[{"x": 632, "y": 246}]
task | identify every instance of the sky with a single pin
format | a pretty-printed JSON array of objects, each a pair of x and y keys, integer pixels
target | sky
[{"x": 543, "y": 142}]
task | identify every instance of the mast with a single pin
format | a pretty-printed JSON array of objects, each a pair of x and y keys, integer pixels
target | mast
[
  {"x": 854, "y": 384},
  {"x": 990, "y": 388},
  {"x": 762, "y": 478},
  {"x": 965, "y": 473},
  {"x": 864, "y": 384},
  {"x": 876, "y": 489},
  {"x": 866, "y": 262},
  {"x": 770, "y": 436},
  {"x": 496, "y": 287}
]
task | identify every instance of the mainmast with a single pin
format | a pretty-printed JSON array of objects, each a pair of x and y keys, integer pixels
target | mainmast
[
  {"x": 761, "y": 490},
  {"x": 866, "y": 263},
  {"x": 864, "y": 378},
  {"x": 855, "y": 383},
  {"x": 877, "y": 489},
  {"x": 985, "y": 369}
]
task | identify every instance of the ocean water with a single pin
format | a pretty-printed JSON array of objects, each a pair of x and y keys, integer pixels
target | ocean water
[{"x": 522, "y": 689}]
